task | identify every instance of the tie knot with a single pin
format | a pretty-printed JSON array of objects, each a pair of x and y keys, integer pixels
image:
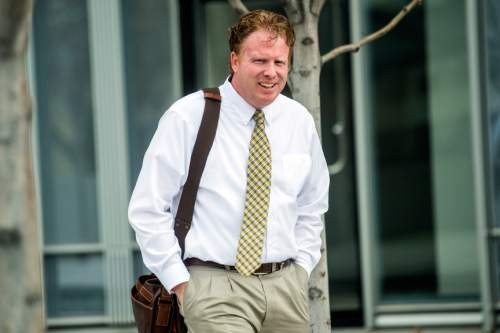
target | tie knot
[{"x": 259, "y": 117}]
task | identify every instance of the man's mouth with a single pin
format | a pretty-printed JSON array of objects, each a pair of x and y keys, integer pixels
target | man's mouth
[{"x": 267, "y": 85}]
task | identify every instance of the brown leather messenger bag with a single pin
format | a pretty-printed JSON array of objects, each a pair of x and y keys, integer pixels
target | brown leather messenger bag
[{"x": 156, "y": 310}]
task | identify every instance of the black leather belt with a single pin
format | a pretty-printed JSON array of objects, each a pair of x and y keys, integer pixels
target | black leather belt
[{"x": 263, "y": 269}]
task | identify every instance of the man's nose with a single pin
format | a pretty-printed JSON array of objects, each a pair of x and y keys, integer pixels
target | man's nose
[{"x": 270, "y": 70}]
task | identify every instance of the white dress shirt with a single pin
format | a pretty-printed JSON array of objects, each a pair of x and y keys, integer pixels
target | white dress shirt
[{"x": 299, "y": 186}]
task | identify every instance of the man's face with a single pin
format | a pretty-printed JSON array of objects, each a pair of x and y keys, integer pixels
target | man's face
[{"x": 260, "y": 69}]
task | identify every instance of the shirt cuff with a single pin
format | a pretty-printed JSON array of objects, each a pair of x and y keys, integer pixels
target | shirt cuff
[{"x": 174, "y": 275}]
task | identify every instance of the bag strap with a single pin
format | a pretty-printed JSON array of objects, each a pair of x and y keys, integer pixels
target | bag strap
[{"x": 202, "y": 146}]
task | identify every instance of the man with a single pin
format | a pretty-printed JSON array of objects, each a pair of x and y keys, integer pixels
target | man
[{"x": 255, "y": 234}]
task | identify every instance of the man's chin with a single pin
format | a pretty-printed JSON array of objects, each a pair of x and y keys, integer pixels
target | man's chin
[
  {"x": 268, "y": 97},
  {"x": 262, "y": 104}
]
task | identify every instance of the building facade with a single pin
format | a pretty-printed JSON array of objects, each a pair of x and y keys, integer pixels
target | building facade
[{"x": 410, "y": 129}]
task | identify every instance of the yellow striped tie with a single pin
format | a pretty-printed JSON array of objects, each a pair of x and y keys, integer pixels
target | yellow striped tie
[{"x": 248, "y": 257}]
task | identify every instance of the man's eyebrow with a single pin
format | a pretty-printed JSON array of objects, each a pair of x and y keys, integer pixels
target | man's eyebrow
[{"x": 256, "y": 57}]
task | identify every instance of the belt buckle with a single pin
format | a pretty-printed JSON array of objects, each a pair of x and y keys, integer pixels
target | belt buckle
[
  {"x": 259, "y": 274},
  {"x": 274, "y": 268},
  {"x": 264, "y": 273},
  {"x": 279, "y": 266},
  {"x": 283, "y": 264}
]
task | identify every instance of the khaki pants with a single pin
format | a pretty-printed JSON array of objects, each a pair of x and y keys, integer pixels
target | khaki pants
[{"x": 216, "y": 300}]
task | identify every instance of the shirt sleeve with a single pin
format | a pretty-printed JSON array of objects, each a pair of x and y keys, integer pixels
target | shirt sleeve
[
  {"x": 312, "y": 202},
  {"x": 150, "y": 209}
]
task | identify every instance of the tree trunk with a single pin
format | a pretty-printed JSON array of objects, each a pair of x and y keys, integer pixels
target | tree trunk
[
  {"x": 20, "y": 277},
  {"x": 304, "y": 84}
]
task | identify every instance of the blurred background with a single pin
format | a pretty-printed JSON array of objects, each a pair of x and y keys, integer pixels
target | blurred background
[{"x": 410, "y": 128}]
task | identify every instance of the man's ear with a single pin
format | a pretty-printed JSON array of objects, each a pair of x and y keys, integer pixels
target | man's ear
[{"x": 234, "y": 61}]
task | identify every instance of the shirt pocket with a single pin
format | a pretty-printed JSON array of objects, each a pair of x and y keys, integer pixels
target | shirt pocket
[{"x": 296, "y": 167}]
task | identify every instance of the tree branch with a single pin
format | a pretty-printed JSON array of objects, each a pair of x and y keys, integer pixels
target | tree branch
[
  {"x": 354, "y": 47},
  {"x": 238, "y": 6},
  {"x": 317, "y": 6}
]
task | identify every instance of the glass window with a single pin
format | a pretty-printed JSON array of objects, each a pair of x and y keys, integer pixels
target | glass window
[
  {"x": 493, "y": 93},
  {"x": 152, "y": 70},
  {"x": 66, "y": 133},
  {"x": 219, "y": 17},
  {"x": 341, "y": 218},
  {"x": 138, "y": 265},
  {"x": 418, "y": 80},
  {"x": 74, "y": 285},
  {"x": 492, "y": 45},
  {"x": 67, "y": 157}
]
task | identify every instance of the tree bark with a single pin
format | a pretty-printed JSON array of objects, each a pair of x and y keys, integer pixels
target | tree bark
[
  {"x": 304, "y": 80},
  {"x": 20, "y": 277}
]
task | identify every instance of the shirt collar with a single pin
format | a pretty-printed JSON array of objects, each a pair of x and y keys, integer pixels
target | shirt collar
[{"x": 240, "y": 108}]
